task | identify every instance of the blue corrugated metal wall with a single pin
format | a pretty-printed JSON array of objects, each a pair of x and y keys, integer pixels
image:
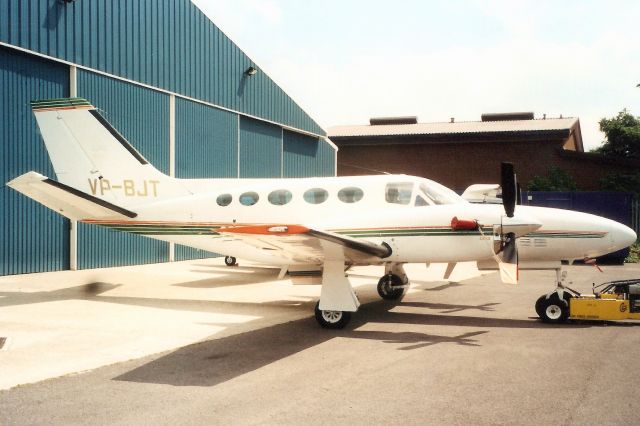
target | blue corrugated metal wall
[
  {"x": 206, "y": 141},
  {"x": 168, "y": 44},
  {"x": 141, "y": 115},
  {"x": 33, "y": 238},
  {"x": 306, "y": 156},
  {"x": 260, "y": 149},
  {"x": 206, "y": 147}
]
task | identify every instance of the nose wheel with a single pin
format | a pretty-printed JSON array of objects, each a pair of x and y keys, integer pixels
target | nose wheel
[{"x": 230, "y": 261}]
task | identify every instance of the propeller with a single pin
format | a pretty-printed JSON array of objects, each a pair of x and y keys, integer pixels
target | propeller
[
  {"x": 509, "y": 188},
  {"x": 508, "y": 249}
]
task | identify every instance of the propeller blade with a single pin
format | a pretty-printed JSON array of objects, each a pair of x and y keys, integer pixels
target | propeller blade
[
  {"x": 508, "y": 183},
  {"x": 509, "y": 260}
]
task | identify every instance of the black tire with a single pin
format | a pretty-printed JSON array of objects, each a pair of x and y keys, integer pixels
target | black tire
[
  {"x": 332, "y": 319},
  {"x": 554, "y": 310},
  {"x": 230, "y": 261},
  {"x": 539, "y": 303},
  {"x": 386, "y": 286}
]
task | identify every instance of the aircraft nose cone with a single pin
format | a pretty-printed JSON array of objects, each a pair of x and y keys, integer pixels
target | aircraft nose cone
[{"x": 622, "y": 236}]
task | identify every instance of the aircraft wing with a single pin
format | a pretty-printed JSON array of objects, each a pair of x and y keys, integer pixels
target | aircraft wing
[
  {"x": 302, "y": 244},
  {"x": 67, "y": 201}
]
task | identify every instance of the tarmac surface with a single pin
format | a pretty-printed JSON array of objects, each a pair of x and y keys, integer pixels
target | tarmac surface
[{"x": 197, "y": 342}]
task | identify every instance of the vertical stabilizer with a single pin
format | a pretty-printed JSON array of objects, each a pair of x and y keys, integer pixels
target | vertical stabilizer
[{"x": 89, "y": 154}]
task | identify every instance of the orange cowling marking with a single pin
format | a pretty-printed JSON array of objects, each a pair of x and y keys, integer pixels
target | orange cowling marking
[
  {"x": 463, "y": 225},
  {"x": 265, "y": 229}
]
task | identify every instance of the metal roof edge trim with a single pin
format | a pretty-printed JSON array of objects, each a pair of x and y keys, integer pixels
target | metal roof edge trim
[
  {"x": 446, "y": 137},
  {"x": 158, "y": 89}
]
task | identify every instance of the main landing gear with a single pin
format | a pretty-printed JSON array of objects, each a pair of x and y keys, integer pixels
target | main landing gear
[
  {"x": 394, "y": 283},
  {"x": 339, "y": 300},
  {"x": 554, "y": 307},
  {"x": 230, "y": 261}
]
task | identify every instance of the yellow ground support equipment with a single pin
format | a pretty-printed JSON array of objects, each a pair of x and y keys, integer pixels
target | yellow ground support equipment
[{"x": 615, "y": 300}]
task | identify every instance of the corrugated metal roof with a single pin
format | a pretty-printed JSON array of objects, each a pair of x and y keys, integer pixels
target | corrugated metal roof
[{"x": 549, "y": 124}]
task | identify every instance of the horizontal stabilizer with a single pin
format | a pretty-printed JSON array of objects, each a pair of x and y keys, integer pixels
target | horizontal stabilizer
[{"x": 67, "y": 201}]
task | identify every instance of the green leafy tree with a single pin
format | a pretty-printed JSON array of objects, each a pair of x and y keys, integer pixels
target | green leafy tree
[
  {"x": 629, "y": 182},
  {"x": 622, "y": 134},
  {"x": 556, "y": 180}
]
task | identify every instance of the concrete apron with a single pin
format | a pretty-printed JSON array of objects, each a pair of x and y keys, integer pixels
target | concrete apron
[{"x": 65, "y": 322}]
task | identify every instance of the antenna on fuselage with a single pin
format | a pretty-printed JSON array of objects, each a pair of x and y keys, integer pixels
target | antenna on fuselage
[{"x": 365, "y": 168}]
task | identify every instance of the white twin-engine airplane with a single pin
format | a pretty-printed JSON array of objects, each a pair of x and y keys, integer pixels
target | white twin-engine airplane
[{"x": 331, "y": 223}]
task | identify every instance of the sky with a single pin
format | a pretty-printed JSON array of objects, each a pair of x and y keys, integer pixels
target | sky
[{"x": 344, "y": 61}]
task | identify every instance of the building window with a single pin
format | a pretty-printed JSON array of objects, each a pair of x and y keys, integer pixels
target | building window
[
  {"x": 398, "y": 192},
  {"x": 249, "y": 198},
  {"x": 315, "y": 196},
  {"x": 224, "y": 199},
  {"x": 280, "y": 197},
  {"x": 350, "y": 194}
]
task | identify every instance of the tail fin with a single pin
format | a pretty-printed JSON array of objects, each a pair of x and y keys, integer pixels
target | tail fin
[{"x": 88, "y": 154}]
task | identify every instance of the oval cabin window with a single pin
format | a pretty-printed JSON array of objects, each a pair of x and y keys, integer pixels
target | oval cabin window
[
  {"x": 316, "y": 196},
  {"x": 249, "y": 198},
  {"x": 224, "y": 199},
  {"x": 280, "y": 197},
  {"x": 350, "y": 195}
]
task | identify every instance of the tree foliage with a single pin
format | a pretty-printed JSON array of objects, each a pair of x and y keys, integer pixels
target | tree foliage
[
  {"x": 622, "y": 182},
  {"x": 556, "y": 180},
  {"x": 622, "y": 136}
]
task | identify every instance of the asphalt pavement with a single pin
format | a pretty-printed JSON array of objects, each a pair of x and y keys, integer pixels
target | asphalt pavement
[{"x": 466, "y": 352}]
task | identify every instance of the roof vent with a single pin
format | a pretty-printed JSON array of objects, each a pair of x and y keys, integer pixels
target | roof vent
[
  {"x": 381, "y": 121},
  {"x": 508, "y": 116}
]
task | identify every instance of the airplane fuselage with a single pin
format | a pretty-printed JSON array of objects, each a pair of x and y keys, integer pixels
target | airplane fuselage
[{"x": 412, "y": 215}]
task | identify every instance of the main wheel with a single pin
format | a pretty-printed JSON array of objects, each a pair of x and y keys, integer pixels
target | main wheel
[
  {"x": 230, "y": 261},
  {"x": 554, "y": 309},
  {"x": 390, "y": 287},
  {"x": 332, "y": 319}
]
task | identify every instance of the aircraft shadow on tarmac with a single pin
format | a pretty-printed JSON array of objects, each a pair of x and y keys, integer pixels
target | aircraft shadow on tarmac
[
  {"x": 215, "y": 361},
  {"x": 240, "y": 275}
]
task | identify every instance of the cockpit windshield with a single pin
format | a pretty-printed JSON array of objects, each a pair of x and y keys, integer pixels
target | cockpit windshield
[{"x": 438, "y": 194}]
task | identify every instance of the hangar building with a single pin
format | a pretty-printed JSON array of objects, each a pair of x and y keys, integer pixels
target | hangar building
[
  {"x": 171, "y": 82},
  {"x": 460, "y": 153}
]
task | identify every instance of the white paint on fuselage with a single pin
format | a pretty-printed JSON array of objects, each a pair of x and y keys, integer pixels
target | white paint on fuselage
[{"x": 374, "y": 212}]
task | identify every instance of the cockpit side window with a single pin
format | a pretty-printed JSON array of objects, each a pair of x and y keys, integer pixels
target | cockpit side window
[
  {"x": 398, "y": 192},
  {"x": 420, "y": 201},
  {"x": 439, "y": 194}
]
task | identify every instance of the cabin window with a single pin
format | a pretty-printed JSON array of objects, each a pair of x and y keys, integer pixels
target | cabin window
[
  {"x": 399, "y": 192},
  {"x": 249, "y": 198},
  {"x": 279, "y": 197},
  {"x": 420, "y": 201},
  {"x": 316, "y": 196},
  {"x": 224, "y": 199},
  {"x": 350, "y": 194}
]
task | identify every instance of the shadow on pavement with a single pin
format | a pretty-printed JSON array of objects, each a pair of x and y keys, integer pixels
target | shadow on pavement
[{"x": 212, "y": 362}]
